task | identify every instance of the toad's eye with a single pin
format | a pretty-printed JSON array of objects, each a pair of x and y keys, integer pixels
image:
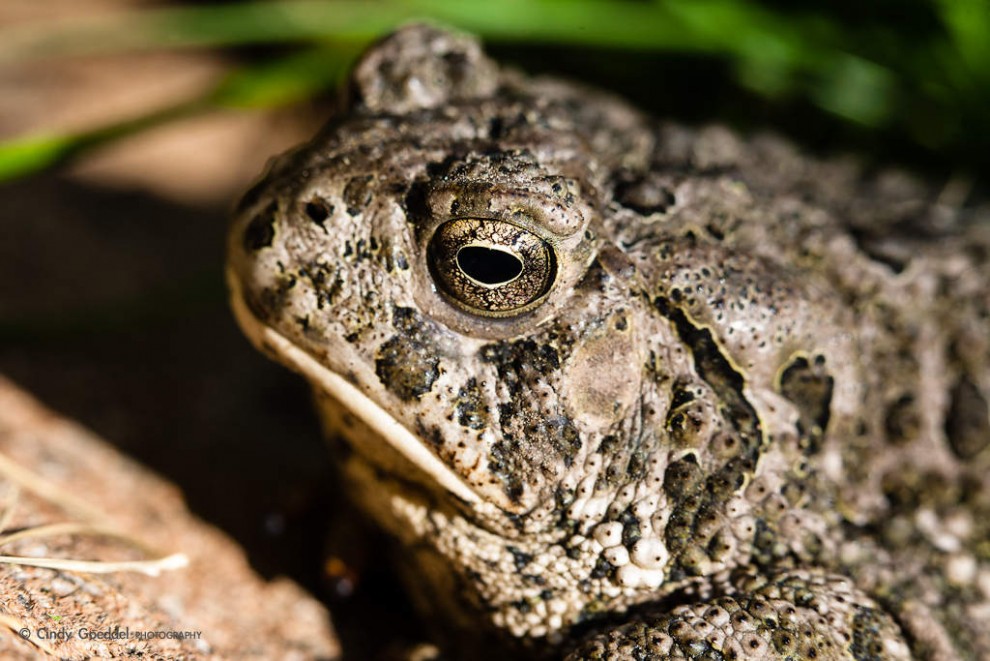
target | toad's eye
[{"x": 491, "y": 268}]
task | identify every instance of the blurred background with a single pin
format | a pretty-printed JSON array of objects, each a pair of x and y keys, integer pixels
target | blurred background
[{"x": 129, "y": 127}]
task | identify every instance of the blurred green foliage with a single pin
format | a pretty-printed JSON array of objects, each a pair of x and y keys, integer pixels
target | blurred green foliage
[{"x": 915, "y": 71}]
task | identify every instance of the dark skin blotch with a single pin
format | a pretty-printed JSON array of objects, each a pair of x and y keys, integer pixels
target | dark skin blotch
[
  {"x": 470, "y": 409},
  {"x": 902, "y": 423},
  {"x": 644, "y": 197},
  {"x": 358, "y": 194},
  {"x": 326, "y": 283},
  {"x": 866, "y": 644},
  {"x": 519, "y": 558},
  {"x": 406, "y": 368},
  {"x": 967, "y": 424},
  {"x": 718, "y": 372},
  {"x": 809, "y": 388},
  {"x": 260, "y": 231},
  {"x": 682, "y": 477},
  {"x": 408, "y": 362},
  {"x": 545, "y": 443},
  {"x": 502, "y": 459}
]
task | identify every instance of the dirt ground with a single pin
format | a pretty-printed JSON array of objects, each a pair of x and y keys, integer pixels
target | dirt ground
[{"x": 63, "y": 489}]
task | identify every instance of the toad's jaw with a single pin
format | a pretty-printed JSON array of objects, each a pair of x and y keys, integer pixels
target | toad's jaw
[{"x": 359, "y": 404}]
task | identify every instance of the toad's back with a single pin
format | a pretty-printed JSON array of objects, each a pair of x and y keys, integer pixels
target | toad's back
[{"x": 626, "y": 388}]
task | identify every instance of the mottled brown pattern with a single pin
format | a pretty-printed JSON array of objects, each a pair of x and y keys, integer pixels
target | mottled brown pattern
[{"x": 748, "y": 418}]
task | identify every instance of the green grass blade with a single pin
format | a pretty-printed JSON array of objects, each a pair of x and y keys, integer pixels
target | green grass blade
[
  {"x": 865, "y": 74},
  {"x": 286, "y": 80}
]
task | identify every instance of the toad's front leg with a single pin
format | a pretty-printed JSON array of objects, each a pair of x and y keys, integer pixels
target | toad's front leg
[{"x": 789, "y": 615}]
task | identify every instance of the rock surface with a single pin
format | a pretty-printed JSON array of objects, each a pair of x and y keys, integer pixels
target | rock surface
[{"x": 216, "y": 607}]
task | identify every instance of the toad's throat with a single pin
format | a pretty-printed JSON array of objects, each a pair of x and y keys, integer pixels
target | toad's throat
[{"x": 360, "y": 405}]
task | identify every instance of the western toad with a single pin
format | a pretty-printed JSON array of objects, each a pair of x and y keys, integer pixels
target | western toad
[{"x": 621, "y": 388}]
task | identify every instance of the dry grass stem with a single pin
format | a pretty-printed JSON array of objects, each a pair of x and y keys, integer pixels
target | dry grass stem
[
  {"x": 22, "y": 478},
  {"x": 147, "y": 567}
]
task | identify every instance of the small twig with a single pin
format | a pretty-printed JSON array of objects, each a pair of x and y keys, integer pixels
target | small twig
[
  {"x": 13, "y": 495},
  {"x": 37, "y": 485},
  {"x": 148, "y": 567},
  {"x": 45, "y": 489},
  {"x": 77, "y": 529}
]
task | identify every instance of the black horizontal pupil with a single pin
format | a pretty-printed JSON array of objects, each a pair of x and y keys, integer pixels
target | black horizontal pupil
[{"x": 487, "y": 265}]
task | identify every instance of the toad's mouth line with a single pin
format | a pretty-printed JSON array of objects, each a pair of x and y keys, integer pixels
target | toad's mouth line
[{"x": 360, "y": 405}]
